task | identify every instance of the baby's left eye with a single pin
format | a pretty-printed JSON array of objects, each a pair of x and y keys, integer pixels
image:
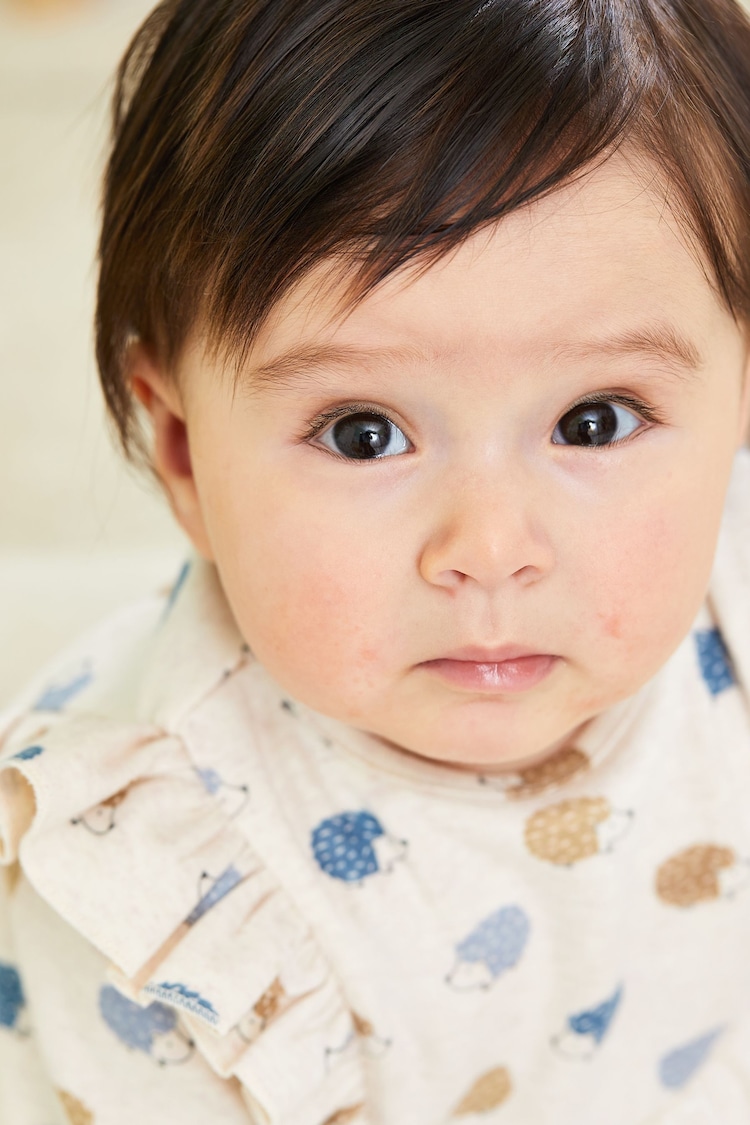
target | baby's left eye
[{"x": 595, "y": 423}]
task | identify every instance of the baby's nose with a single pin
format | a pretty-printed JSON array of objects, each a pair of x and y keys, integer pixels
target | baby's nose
[{"x": 488, "y": 528}]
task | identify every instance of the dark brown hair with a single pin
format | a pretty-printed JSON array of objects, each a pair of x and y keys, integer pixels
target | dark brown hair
[{"x": 255, "y": 138}]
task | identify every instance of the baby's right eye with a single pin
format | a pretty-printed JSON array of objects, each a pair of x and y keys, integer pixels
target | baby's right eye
[{"x": 365, "y": 436}]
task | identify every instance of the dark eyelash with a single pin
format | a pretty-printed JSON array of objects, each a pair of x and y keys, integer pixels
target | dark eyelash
[
  {"x": 650, "y": 413},
  {"x": 321, "y": 420}
]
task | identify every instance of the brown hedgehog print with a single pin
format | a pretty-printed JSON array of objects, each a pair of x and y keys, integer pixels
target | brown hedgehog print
[
  {"x": 270, "y": 1002},
  {"x": 488, "y": 1092},
  {"x": 115, "y": 800},
  {"x": 362, "y": 1026},
  {"x": 693, "y": 875},
  {"x": 575, "y": 829},
  {"x": 561, "y": 767},
  {"x": 75, "y": 1111},
  {"x": 263, "y": 1011},
  {"x": 341, "y": 1116},
  {"x": 373, "y": 1043}
]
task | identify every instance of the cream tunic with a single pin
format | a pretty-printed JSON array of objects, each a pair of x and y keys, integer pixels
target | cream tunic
[{"x": 220, "y": 906}]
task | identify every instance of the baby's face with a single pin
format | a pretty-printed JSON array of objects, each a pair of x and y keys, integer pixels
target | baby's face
[{"x": 432, "y": 482}]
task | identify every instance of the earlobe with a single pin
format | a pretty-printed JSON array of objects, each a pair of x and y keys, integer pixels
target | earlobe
[{"x": 159, "y": 395}]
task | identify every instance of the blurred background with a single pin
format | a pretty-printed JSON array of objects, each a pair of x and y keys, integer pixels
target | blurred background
[{"x": 79, "y": 532}]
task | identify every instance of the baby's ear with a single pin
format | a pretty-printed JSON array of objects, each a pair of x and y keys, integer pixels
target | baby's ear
[{"x": 160, "y": 396}]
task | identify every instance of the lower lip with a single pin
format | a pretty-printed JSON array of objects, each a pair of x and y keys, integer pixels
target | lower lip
[{"x": 492, "y": 679}]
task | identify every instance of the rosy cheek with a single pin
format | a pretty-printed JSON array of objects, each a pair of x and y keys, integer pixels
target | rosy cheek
[
  {"x": 645, "y": 588},
  {"x": 621, "y": 586},
  {"x": 312, "y": 609},
  {"x": 612, "y": 624}
]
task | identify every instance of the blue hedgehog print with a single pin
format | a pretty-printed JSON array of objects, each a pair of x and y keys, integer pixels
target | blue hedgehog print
[
  {"x": 217, "y": 889},
  {"x": 56, "y": 696},
  {"x": 491, "y": 948},
  {"x": 679, "y": 1066},
  {"x": 586, "y": 1030},
  {"x": 353, "y": 845},
  {"x": 714, "y": 660},
  {"x": 29, "y": 753},
  {"x": 210, "y": 780},
  {"x": 12, "y": 999},
  {"x": 153, "y": 1030},
  {"x": 232, "y": 798}
]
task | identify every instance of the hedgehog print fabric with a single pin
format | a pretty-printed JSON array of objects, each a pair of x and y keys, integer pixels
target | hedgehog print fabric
[
  {"x": 12, "y": 1000},
  {"x": 352, "y": 846},
  {"x": 585, "y": 1030},
  {"x": 714, "y": 660},
  {"x": 153, "y": 1030},
  {"x": 570, "y": 831},
  {"x": 701, "y": 873},
  {"x": 56, "y": 696},
  {"x": 232, "y": 797},
  {"x": 267, "y": 1008},
  {"x": 495, "y": 945},
  {"x": 678, "y": 1066},
  {"x": 76, "y": 1111},
  {"x": 490, "y": 1091},
  {"x": 28, "y": 753},
  {"x": 102, "y": 818},
  {"x": 555, "y": 771}
]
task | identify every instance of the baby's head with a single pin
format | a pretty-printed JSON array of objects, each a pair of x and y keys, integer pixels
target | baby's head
[{"x": 438, "y": 309}]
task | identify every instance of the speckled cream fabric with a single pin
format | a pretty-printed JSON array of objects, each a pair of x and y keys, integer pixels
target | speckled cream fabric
[{"x": 217, "y": 905}]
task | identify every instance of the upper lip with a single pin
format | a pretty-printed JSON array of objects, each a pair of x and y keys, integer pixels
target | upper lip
[{"x": 490, "y": 655}]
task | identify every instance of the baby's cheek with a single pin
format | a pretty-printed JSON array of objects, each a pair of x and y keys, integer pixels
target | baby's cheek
[
  {"x": 316, "y": 621},
  {"x": 650, "y": 589}
]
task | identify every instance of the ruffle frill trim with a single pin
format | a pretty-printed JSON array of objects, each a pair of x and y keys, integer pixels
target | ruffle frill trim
[{"x": 113, "y": 828}]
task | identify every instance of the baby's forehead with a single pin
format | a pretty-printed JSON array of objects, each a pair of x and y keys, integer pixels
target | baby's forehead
[{"x": 599, "y": 265}]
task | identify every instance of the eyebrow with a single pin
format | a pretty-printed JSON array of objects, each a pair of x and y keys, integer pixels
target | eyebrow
[
  {"x": 660, "y": 341},
  {"x": 304, "y": 363}
]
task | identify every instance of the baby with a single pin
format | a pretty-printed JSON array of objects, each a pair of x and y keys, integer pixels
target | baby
[{"x": 422, "y": 797}]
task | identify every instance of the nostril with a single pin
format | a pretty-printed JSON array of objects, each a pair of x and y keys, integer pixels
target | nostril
[
  {"x": 467, "y": 545},
  {"x": 528, "y": 574}
]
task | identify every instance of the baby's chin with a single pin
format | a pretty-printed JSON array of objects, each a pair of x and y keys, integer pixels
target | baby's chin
[
  {"x": 567, "y": 742},
  {"x": 490, "y": 767}
]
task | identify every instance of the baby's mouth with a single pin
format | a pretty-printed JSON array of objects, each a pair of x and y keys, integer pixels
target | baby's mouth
[{"x": 514, "y": 674}]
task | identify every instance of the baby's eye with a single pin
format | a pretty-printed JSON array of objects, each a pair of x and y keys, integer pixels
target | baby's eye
[
  {"x": 364, "y": 436},
  {"x": 595, "y": 423}
]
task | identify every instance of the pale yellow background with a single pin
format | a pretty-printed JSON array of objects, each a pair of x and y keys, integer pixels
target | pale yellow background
[{"x": 78, "y": 533}]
